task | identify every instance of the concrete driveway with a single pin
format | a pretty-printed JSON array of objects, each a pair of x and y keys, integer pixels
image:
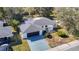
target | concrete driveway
[{"x": 39, "y": 45}]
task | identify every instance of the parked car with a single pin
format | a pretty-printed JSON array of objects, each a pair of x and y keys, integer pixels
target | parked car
[{"x": 4, "y": 47}]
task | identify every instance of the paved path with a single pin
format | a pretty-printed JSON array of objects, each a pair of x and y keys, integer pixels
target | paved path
[
  {"x": 38, "y": 45},
  {"x": 72, "y": 46},
  {"x": 76, "y": 48}
]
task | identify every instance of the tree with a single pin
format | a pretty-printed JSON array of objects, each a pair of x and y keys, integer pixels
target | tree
[
  {"x": 29, "y": 10},
  {"x": 2, "y": 13},
  {"x": 40, "y": 11},
  {"x": 44, "y": 11},
  {"x": 69, "y": 18},
  {"x": 14, "y": 23}
]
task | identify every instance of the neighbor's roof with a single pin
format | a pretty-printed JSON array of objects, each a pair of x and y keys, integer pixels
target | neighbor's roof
[
  {"x": 1, "y": 23},
  {"x": 6, "y": 32},
  {"x": 35, "y": 23},
  {"x": 23, "y": 27}
]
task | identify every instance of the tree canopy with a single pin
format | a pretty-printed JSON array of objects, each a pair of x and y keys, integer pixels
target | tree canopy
[{"x": 69, "y": 18}]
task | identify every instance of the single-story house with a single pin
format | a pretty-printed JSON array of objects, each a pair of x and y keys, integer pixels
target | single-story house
[
  {"x": 36, "y": 26},
  {"x": 5, "y": 32}
]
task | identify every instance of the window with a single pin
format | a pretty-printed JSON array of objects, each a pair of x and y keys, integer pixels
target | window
[
  {"x": 46, "y": 26},
  {"x": 42, "y": 26}
]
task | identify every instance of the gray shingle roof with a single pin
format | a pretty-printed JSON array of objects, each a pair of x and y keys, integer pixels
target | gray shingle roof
[
  {"x": 6, "y": 32},
  {"x": 35, "y": 23},
  {"x": 43, "y": 21},
  {"x": 33, "y": 28},
  {"x": 29, "y": 28},
  {"x": 1, "y": 23}
]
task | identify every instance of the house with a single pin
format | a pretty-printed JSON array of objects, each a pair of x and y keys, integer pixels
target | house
[
  {"x": 1, "y": 23},
  {"x": 36, "y": 26},
  {"x": 5, "y": 33}
]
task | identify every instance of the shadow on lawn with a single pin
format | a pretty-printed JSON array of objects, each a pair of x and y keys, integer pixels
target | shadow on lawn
[{"x": 16, "y": 40}]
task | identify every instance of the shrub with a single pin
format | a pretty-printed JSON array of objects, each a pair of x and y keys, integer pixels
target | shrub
[
  {"x": 59, "y": 27},
  {"x": 14, "y": 23},
  {"x": 48, "y": 36},
  {"x": 77, "y": 34},
  {"x": 63, "y": 33}
]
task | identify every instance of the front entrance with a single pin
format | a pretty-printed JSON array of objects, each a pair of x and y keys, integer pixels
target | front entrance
[
  {"x": 44, "y": 32},
  {"x": 32, "y": 34}
]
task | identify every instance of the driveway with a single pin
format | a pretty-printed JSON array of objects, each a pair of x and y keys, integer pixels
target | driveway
[{"x": 39, "y": 45}]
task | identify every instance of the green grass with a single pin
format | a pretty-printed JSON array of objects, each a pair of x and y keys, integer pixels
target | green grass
[
  {"x": 21, "y": 47},
  {"x": 63, "y": 33},
  {"x": 19, "y": 44}
]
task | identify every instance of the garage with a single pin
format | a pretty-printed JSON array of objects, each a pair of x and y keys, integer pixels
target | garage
[{"x": 32, "y": 34}]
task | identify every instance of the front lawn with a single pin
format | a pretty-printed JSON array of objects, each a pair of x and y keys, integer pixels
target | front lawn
[
  {"x": 21, "y": 47},
  {"x": 57, "y": 38},
  {"x": 18, "y": 44}
]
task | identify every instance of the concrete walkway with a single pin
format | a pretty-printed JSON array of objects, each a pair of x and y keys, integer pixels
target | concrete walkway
[{"x": 72, "y": 46}]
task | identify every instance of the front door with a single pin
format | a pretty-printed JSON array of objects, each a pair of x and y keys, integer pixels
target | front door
[{"x": 44, "y": 32}]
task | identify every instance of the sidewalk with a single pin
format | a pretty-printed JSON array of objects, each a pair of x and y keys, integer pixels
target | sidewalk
[{"x": 65, "y": 47}]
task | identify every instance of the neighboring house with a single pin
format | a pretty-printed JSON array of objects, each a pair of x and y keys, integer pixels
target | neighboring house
[
  {"x": 1, "y": 23},
  {"x": 5, "y": 33},
  {"x": 36, "y": 26}
]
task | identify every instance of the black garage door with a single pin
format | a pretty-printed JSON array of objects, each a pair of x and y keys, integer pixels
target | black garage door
[{"x": 32, "y": 34}]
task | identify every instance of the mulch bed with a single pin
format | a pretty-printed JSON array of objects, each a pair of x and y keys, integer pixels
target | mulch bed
[{"x": 58, "y": 41}]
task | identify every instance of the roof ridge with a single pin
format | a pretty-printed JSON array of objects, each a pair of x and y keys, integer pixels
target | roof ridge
[{"x": 33, "y": 25}]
